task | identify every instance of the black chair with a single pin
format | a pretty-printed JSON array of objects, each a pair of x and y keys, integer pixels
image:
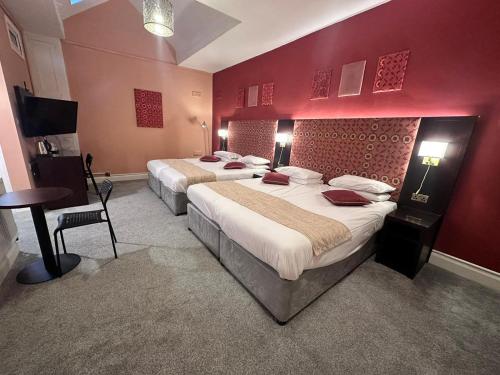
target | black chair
[{"x": 83, "y": 218}]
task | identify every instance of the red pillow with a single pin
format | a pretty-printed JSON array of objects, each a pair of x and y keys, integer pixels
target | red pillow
[
  {"x": 235, "y": 165},
  {"x": 210, "y": 158},
  {"x": 345, "y": 198},
  {"x": 275, "y": 178}
]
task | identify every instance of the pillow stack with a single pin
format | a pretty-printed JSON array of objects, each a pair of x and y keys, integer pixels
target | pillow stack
[
  {"x": 375, "y": 191},
  {"x": 255, "y": 162},
  {"x": 301, "y": 176},
  {"x": 228, "y": 156}
]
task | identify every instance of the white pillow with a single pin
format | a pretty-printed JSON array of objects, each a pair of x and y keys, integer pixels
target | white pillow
[
  {"x": 306, "y": 181},
  {"x": 361, "y": 184},
  {"x": 250, "y": 159},
  {"x": 255, "y": 166},
  {"x": 228, "y": 156},
  {"x": 374, "y": 197},
  {"x": 302, "y": 173}
]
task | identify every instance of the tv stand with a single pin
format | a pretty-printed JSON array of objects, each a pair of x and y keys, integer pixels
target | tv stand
[{"x": 61, "y": 171}]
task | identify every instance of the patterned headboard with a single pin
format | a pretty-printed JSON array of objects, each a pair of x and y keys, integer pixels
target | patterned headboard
[
  {"x": 375, "y": 148},
  {"x": 252, "y": 137}
]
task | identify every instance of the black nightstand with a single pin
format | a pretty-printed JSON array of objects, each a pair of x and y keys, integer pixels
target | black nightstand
[{"x": 406, "y": 240}]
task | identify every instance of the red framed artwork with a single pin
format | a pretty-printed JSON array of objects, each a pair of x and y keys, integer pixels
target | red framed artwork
[{"x": 148, "y": 108}]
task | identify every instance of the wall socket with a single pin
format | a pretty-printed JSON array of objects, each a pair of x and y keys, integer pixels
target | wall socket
[{"x": 422, "y": 198}]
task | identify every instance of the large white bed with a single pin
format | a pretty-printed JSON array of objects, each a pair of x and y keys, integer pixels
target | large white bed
[
  {"x": 171, "y": 185},
  {"x": 286, "y": 250},
  {"x": 176, "y": 181}
]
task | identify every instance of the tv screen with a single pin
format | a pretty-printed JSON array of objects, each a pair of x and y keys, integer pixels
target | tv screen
[{"x": 43, "y": 116}]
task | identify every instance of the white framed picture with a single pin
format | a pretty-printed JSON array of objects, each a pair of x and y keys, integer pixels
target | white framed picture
[{"x": 15, "y": 38}]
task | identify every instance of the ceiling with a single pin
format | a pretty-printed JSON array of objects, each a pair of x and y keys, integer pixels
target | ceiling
[
  {"x": 210, "y": 35},
  {"x": 266, "y": 25}
]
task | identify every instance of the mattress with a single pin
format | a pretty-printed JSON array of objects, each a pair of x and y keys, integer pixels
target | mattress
[
  {"x": 177, "y": 182},
  {"x": 155, "y": 166},
  {"x": 288, "y": 251}
]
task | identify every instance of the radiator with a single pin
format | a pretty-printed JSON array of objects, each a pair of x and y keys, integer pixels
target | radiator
[{"x": 8, "y": 228}]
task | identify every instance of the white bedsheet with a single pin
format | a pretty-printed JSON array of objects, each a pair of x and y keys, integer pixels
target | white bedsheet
[
  {"x": 155, "y": 166},
  {"x": 177, "y": 182},
  {"x": 286, "y": 250}
]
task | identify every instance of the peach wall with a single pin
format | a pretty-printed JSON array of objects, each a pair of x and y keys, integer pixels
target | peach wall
[
  {"x": 16, "y": 148},
  {"x": 103, "y": 71}
]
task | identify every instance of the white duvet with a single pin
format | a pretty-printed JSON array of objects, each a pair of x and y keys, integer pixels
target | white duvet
[
  {"x": 177, "y": 182},
  {"x": 286, "y": 250}
]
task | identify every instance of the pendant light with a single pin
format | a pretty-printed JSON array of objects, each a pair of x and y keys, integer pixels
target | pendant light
[{"x": 158, "y": 17}]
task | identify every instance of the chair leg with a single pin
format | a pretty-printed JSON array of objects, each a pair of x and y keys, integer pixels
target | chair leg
[
  {"x": 112, "y": 238},
  {"x": 62, "y": 240},
  {"x": 57, "y": 254},
  {"x": 112, "y": 231}
]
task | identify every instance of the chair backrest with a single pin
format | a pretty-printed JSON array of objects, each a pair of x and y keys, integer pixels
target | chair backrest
[
  {"x": 88, "y": 161},
  {"x": 104, "y": 191}
]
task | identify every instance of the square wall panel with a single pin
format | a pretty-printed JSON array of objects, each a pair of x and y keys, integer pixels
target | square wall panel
[
  {"x": 391, "y": 72},
  {"x": 351, "y": 80},
  {"x": 321, "y": 84},
  {"x": 253, "y": 96},
  {"x": 267, "y": 93},
  {"x": 240, "y": 98}
]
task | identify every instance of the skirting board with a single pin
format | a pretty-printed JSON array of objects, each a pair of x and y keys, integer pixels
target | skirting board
[
  {"x": 471, "y": 271},
  {"x": 121, "y": 177},
  {"x": 7, "y": 260}
]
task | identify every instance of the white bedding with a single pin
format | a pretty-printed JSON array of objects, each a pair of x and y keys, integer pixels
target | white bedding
[
  {"x": 286, "y": 250},
  {"x": 155, "y": 166},
  {"x": 177, "y": 182}
]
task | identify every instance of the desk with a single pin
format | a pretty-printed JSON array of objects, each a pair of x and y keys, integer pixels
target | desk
[{"x": 45, "y": 269}]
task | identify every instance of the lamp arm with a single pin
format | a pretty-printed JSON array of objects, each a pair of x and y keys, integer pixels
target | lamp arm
[{"x": 423, "y": 179}]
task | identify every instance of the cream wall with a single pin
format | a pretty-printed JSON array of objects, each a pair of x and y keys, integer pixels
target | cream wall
[{"x": 106, "y": 58}]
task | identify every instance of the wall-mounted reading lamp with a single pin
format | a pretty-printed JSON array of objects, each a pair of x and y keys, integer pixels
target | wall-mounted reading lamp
[
  {"x": 223, "y": 134},
  {"x": 432, "y": 153},
  {"x": 283, "y": 139}
]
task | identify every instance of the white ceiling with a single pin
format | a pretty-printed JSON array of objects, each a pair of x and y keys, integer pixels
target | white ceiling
[
  {"x": 211, "y": 35},
  {"x": 268, "y": 24},
  {"x": 37, "y": 16},
  {"x": 67, "y": 10}
]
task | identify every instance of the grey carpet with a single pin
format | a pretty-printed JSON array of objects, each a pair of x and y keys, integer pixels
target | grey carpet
[{"x": 166, "y": 306}]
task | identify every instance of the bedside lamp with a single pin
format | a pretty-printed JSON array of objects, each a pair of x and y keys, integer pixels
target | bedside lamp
[
  {"x": 432, "y": 153},
  {"x": 283, "y": 139},
  {"x": 223, "y": 134}
]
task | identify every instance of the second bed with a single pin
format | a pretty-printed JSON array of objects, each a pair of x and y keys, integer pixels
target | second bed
[{"x": 274, "y": 262}]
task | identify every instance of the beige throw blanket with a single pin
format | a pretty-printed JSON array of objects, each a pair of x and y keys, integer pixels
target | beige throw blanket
[
  {"x": 194, "y": 174},
  {"x": 323, "y": 232}
]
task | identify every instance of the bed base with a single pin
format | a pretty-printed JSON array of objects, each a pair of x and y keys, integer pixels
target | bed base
[
  {"x": 177, "y": 202},
  {"x": 154, "y": 183},
  {"x": 204, "y": 229},
  {"x": 282, "y": 298}
]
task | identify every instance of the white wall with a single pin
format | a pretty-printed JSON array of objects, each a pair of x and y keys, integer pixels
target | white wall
[
  {"x": 3, "y": 172},
  {"x": 8, "y": 235},
  {"x": 48, "y": 75}
]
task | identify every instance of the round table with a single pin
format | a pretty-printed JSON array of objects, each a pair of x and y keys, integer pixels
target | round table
[{"x": 46, "y": 268}]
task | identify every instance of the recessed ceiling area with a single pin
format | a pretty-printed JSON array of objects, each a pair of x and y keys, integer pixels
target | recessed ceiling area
[
  {"x": 196, "y": 26},
  {"x": 210, "y": 35}
]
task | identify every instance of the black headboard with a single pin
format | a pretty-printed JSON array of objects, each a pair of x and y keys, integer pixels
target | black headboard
[{"x": 440, "y": 180}]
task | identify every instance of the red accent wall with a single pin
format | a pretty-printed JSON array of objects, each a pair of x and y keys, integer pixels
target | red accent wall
[{"x": 453, "y": 69}]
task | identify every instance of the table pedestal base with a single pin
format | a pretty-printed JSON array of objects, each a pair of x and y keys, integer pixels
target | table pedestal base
[{"x": 36, "y": 273}]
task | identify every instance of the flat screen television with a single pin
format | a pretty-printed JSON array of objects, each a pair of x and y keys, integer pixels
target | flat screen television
[{"x": 43, "y": 116}]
